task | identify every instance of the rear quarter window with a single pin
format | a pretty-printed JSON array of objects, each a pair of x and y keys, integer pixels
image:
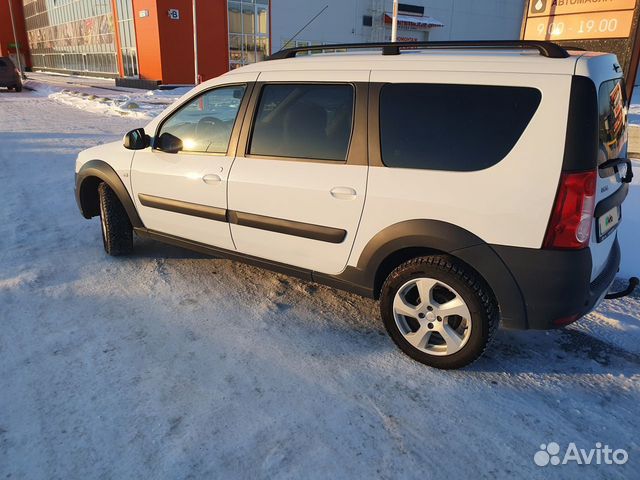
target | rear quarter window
[{"x": 452, "y": 127}]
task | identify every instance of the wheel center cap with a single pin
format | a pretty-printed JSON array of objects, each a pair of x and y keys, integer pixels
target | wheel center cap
[{"x": 431, "y": 316}]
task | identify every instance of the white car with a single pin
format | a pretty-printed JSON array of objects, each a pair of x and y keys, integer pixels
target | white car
[{"x": 462, "y": 184}]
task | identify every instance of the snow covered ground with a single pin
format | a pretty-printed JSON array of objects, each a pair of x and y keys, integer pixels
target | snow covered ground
[{"x": 167, "y": 364}]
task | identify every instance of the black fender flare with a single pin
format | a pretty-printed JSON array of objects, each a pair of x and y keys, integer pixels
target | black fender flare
[
  {"x": 450, "y": 239},
  {"x": 86, "y": 186}
]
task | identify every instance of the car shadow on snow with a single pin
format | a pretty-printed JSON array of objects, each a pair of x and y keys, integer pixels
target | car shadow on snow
[
  {"x": 565, "y": 351},
  {"x": 145, "y": 248}
]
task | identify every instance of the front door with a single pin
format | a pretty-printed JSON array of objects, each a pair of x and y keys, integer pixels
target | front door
[
  {"x": 297, "y": 186},
  {"x": 180, "y": 183}
]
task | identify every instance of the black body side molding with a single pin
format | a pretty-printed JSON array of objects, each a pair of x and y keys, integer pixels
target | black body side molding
[
  {"x": 186, "y": 208},
  {"x": 90, "y": 176},
  {"x": 288, "y": 227}
]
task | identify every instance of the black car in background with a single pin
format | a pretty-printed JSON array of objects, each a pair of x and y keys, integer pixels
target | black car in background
[{"x": 9, "y": 75}]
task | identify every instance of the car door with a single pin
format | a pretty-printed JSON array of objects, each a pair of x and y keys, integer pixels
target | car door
[
  {"x": 297, "y": 186},
  {"x": 180, "y": 182}
]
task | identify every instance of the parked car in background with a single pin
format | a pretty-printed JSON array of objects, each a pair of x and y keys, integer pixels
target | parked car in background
[{"x": 9, "y": 75}]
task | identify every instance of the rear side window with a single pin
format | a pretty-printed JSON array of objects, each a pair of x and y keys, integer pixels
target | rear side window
[
  {"x": 612, "y": 114},
  {"x": 303, "y": 121},
  {"x": 452, "y": 127},
  {"x": 3, "y": 63}
]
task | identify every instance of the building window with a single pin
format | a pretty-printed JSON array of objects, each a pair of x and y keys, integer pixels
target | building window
[
  {"x": 367, "y": 21},
  {"x": 72, "y": 35},
  {"x": 126, "y": 28},
  {"x": 248, "y": 31}
]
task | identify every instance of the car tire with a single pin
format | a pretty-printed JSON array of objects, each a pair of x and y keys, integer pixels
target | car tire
[
  {"x": 117, "y": 232},
  {"x": 436, "y": 331},
  {"x": 18, "y": 88}
]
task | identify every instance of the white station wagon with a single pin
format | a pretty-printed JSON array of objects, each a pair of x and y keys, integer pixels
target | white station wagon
[{"x": 463, "y": 184}]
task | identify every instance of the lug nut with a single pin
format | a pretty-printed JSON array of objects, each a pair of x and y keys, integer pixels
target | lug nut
[
  {"x": 421, "y": 315},
  {"x": 439, "y": 319},
  {"x": 430, "y": 326}
]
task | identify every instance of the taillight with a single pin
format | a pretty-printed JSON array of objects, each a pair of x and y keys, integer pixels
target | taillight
[{"x": 572, "y": 216}]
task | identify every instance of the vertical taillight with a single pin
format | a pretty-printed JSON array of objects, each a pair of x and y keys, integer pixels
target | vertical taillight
[{"x": 572, "y": 215}]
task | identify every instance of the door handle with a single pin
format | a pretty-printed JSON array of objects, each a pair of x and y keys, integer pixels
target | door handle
[
  {"x": 343, "y": 193},
  {"x": 212, "y": 179}
]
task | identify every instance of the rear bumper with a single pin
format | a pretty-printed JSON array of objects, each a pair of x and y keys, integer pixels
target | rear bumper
[{"x": 555, "y": 284}]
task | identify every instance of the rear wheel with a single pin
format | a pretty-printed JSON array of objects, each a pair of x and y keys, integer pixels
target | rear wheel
[
  {"x": 18, "y": 88},
  {"x": 117, "y": 232},
  {"x": 438, "y": 311}
]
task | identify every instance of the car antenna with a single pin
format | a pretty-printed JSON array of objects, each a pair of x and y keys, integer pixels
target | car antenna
[{"x": 306, "y": 25}]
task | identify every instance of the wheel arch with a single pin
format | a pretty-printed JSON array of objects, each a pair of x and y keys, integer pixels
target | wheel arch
[
  {"x": 405, "y": 240},
  {"x": 91, "y": 174}
]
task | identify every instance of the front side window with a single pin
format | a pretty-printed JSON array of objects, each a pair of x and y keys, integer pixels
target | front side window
[
  {"x": 303, "y": 121},
  {"x": 452, "y": 127},
  {"x": 205, "y": 123}
]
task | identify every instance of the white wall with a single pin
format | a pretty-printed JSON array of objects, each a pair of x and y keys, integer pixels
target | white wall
[{"x": 342, "y": 21}]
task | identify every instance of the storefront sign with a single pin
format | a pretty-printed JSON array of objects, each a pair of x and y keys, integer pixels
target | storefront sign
[
  {"x": 579, "y": 26},
  {"x": 578, "y": 20},
  {"x": 594, "y": 25}
]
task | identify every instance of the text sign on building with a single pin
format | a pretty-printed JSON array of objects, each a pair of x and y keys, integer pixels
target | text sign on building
[
  {"x": 174, "y": 14},
  {"x": 579, "y": 20}
]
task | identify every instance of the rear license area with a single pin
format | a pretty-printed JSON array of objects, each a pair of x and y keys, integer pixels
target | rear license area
[{"x": 608, "y": 222}]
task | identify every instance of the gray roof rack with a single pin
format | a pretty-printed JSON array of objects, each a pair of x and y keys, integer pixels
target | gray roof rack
[{"x": 546, "y": 49}]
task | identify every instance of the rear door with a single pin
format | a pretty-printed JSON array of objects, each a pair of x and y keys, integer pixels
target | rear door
[
  {"x": 297, "y": 186},
  {"x": 611, "y": 188}
]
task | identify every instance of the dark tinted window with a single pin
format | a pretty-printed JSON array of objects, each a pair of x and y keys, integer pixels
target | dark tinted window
[
  {"x": 3, "y": 63},
  {"x": 205, "y": 123},
  {"x": 303, "y": 121},
  {"x": 612, "y": 115},
  {"x": 452, "y": 127}
]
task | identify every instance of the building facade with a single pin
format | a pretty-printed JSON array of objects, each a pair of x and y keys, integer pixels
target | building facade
[
  {"x": 143, "y": 42},
  {"x": 347, "y": 21}
]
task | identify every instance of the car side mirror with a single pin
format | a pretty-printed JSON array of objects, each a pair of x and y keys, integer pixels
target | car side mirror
[
  {"x": 169, "y": 143},
  {"x": 136, "y": 140}
]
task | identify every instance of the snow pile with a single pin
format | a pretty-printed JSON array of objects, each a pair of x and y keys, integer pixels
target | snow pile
[
  {"x": 121, "y": 105},
  {"x": 176, "y": 92}
]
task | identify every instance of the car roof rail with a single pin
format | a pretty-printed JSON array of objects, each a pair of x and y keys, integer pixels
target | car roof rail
[{"x": 546, "y": 49}]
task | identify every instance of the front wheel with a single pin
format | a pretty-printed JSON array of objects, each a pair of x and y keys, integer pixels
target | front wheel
[
  {"x": 438, "y": 311},
  {"x": 117, "y": 232}
]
